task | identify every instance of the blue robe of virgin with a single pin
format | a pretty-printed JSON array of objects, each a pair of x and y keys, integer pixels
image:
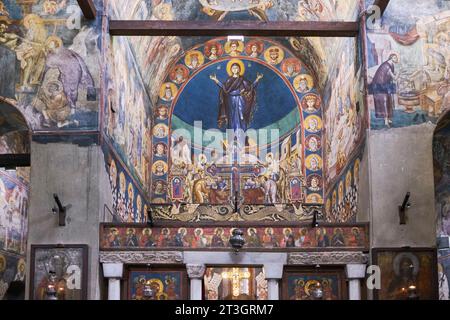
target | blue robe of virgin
[{"x": 237, "y": 103}]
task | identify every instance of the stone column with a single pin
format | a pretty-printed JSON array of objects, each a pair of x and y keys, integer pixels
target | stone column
[
  {"x": 195, "y": 273},
  {"x": 113, "y": 271},
  {"x": 355, "y": 272},
  {"x": 274, "y": 273}
]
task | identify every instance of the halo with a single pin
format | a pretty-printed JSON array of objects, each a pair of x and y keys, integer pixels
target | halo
[
  {"x": 240, "y": 47},
  {"x": 319, "y": 123},
  {"x": 341, "y": 192},
  {"x": 187, "y": 59},
  {"x": 309, "y": 284},
  {"x": 308, "y": 78},
  {"x": 257, "y": 43},
  {"x": 122, "y": 179},
  {"x": 280, "y": 54},
  {"x": 249, "y": 229},
  {"x": 26, "y": 20},
  {"x": 182, "y": 229},
  {"x": 159, "y": 282},
  {"x": 235, "y": 61},
  {"x": 201, "y": 231},
  {"x": 348, "y": 179},
  {"x": 158, "y": 163},
  {"x": 310, "y": 197},
  {"x": 410, "y": 256},
  {"x": 150, "y": 231},
  {"x": 173, "y": 88},
  {"x": 59, "y": 42},
  {"x": 309, "y": 159}
]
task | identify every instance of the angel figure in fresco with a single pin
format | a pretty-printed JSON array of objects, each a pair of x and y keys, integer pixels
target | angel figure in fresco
[
  {"x": 237, "y": 100},
  {"x": 30, "y": 52}
]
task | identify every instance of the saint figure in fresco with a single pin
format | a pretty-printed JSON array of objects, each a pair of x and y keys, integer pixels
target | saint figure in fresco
[
  {"x": 383, "y": 89},
  {"x": 237, "y": 98}
]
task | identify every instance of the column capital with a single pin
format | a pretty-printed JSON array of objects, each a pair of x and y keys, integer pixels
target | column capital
[
  {"x": 113, "y": 270},
  {"x": 355, "y": 271},
  {"x": 195, "y": 271}
]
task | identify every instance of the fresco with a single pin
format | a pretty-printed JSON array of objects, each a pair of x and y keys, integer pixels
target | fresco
[
  {"x": 166, "y": 285},
  {"x": 15, "y": 142},
  {"x": 345, "y": 109},
  {"x": 408, "y": 59},
  {"x": 12, "y": 268},
  {"x": 128, "y": 128},
  {"x": 270, "y": 238},
  {"x": 13, "y": 228},
  {"x": 276, "y": 169},
  {"x": 441, "y": 150},
  {"x": 57, "y": 58},
  {"x": 341, "y": 204},
  {"x": 129, "y": 199},
  {"x": 265, "y": 10},
  {"x": 13, "y": 212}
]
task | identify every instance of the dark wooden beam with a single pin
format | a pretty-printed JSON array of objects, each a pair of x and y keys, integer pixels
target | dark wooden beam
[
  {"x": 225, "y": 28},
  {"x": 382, "y": 4},
  {"x": 88, "y": 8},
  {"x": 11, "y": 161}
]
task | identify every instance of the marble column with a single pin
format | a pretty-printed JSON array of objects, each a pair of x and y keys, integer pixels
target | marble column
[
  {"x": 274, "y": 273},
  {"x": 355, "y": 273},
  {"x": 114, "y": 272},
  {"x": 195, "y": 273}
]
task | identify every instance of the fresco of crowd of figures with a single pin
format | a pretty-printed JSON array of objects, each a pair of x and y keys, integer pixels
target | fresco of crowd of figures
[
  {"x": 123, "y": 237},
  {"x": 13, "y": 227}
]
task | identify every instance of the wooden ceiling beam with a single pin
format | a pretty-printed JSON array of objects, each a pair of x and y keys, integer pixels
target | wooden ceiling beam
[
  {"x": 226, "y": 28},
  {"x": 11, "y": 161},
  {"x": 88, "y": 9}
]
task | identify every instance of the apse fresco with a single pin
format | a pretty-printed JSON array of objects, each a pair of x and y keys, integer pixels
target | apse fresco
[
  {"x": 56, "y": 55},
  {"x": 13, "y": 228},
  {"x": 206, "y": 153},
  {"x": 408, "y": 64},
  {"x": 341, "y": 204},
  {"x": 127, "y": 117},
  {"x": 129, "y": 199},
  {"x": 441, "y": 150},
  {"x": 269, "y": 238}
]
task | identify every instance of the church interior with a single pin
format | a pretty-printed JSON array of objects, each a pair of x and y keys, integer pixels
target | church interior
[{"x": 224, "y": 149}]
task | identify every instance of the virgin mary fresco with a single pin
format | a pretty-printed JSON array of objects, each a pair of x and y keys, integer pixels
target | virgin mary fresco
[{"x": 237, "y": 97}]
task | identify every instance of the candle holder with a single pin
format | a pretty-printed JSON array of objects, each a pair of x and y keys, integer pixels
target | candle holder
[{"x": 51, "y": 293}]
